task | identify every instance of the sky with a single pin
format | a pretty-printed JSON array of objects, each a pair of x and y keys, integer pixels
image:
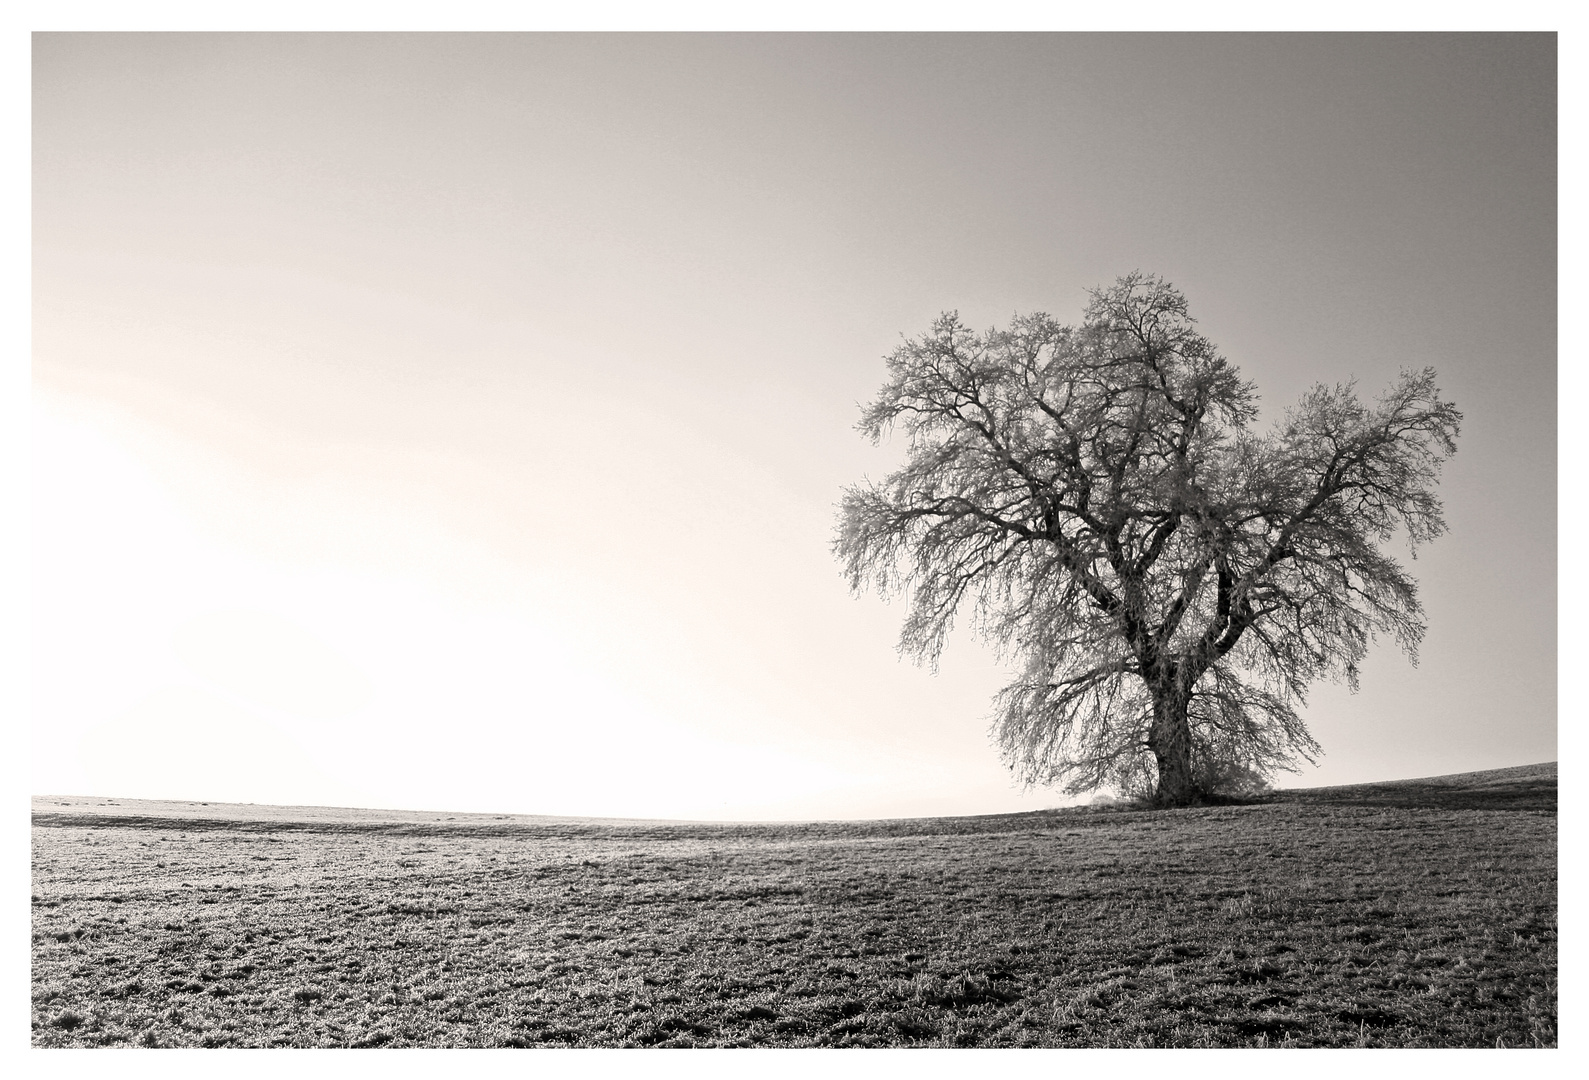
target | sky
[{"x": 457, "y": 421}]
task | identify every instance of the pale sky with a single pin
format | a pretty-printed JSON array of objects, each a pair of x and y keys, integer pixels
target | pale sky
[{"x": 456, "y": 421}]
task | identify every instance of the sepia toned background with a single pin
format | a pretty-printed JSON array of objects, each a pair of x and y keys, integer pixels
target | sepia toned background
[{"x": 456, "y": 421}]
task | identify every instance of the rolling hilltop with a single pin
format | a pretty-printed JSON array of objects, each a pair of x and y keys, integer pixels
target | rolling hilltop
[{"x": 1522, "y": 787}]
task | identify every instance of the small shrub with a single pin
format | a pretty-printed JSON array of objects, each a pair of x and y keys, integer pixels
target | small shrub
[{"x": 1231, "y": 780}]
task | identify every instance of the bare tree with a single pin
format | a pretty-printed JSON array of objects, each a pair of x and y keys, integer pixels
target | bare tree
[{"x": 1169, "y": 582}]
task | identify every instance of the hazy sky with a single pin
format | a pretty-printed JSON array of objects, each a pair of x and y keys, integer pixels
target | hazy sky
[{"x": 456, "y": 421}]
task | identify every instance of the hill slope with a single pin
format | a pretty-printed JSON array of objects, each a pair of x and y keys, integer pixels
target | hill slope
[{"x": 1524, "y": 787}]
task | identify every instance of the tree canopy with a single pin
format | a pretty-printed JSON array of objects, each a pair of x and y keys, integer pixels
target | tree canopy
[{"x": 1167, "y": 581}]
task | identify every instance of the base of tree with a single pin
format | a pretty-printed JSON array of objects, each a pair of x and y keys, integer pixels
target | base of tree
[
  {"x": 1195, "y": 799},
  {"x": 1180, "y": 802}
]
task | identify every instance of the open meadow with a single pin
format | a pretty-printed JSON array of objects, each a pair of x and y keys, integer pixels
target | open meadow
[{"x": 1414, "y": 914}]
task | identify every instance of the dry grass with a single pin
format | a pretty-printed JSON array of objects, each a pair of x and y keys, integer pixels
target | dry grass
[{"x": 1314, "y": 919}]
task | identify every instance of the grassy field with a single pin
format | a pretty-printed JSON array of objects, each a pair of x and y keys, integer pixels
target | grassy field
[{"x": 1413, "y": 914}]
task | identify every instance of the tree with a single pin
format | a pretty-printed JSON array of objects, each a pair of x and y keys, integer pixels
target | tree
[{"x": 1168, "y": 582}]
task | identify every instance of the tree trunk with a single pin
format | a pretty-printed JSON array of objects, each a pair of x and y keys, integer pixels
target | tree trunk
[{"x": 1170, "y": 739}]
